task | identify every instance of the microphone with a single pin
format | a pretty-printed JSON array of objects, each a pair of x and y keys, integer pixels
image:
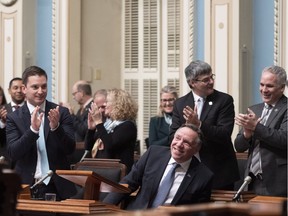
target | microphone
[
  {"x": 84, "y": 155},
  {"x": 247, "y": 180},
  {"x": 49, "y": 173}
]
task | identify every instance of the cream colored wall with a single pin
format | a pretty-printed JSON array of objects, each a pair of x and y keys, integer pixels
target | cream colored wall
[
  {"x": 94, "y": 44},
  {"x": 101, "y": 43},
  {"x": 29, "y": 36}
]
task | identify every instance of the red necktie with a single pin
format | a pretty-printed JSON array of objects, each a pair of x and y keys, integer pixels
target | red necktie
[{"x": 16, "y": 107}]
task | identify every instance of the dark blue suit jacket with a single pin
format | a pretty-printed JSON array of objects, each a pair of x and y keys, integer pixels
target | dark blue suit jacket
[
  {"x": 147, "y": 174},
  {"x": 3, "y": 145},
  {"x": 22, "y": 148},
  {"x": 158, "y": 131},
  {"x": 8, "y": 107},
  {"x": 217, "y": 150},
  {"x": 80, "y": 123},
  {"x": 273, "y": 147}
]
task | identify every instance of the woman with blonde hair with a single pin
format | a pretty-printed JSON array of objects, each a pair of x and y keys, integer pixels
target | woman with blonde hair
[
  {"x": 116, "y": 137},
  {"x": 159, "y": 125}
]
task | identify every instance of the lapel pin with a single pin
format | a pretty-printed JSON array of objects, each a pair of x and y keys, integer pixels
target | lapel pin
[{"x": 210, "y": 103}]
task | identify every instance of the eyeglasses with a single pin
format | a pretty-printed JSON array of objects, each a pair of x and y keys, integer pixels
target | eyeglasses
[
  {"x": 74, "y": 93},
  {"x": 207, "y": 79},
  {"x": 169, "y": 100},
  {"x": 102, "y": 107}
]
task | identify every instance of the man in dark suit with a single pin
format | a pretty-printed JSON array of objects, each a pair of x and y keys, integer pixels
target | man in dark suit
[
  {"x": 264, "y": 131},
  {"x": 213, "y": 113},
  {"x": 16, "y": 93},
  {"x": 17, "y": 100},
  {"x": 82, "y": 94},
  {"x": 191, "y": 182},
  {"x": 34, "y": 157}
]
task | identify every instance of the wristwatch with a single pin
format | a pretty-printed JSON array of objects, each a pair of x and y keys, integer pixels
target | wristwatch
[{"x": 8, "y": 2}]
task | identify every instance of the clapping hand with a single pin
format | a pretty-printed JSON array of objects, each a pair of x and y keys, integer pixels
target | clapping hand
[
  {"x": 36, "y": 118},
  {"x": 94, "y": 116},
  {"x": 3, "y": 114},
  {"x": 54, "y": 117},
  {"x": 191, "y": 116},
  {"x": 248, "y": 122}
]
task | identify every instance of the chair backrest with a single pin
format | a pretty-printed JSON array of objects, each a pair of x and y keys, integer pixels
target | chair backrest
[{"x": 111, "y": 169}]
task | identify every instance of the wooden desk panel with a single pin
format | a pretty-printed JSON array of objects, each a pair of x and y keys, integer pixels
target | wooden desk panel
[
  {"x": 211, "y": 209},
  {"x": 268, "y": 199},
  {"x": 69, "y": 206},
  {"x": 227, "y": 196}
]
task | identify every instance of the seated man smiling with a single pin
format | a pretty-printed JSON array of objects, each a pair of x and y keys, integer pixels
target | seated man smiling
[{"x": 189, "y": 180}]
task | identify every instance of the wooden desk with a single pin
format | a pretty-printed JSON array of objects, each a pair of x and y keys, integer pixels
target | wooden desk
[
  {"x": 92, "y": 183},
  {"x": 66, "y": 207},
  {"x": 253, "y": 206},
  {"x": 267, "y": 199},
  {"x": 266, "y": 203},
  {"x": 227, "y": 196},
  {"x": 80, "y": 145},
  {"x": 210, "y": 209}
]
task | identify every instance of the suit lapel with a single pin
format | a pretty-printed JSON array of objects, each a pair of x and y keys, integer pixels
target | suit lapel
[
  {"x": 258, "y": 110},
  {"x": 86, "y": 109},
  {"x": 207, "y": 106},
  {"x": 46, "y": 122},
  {"x": 279, "y": 108},
  {"x": 190, "y": 174},
  {"x": 9, "y": 108},
  {"x": 164, "y": 159},
  {"x": 164, "y": 127},
  {"x": 189, "y": 101},
  {"x": 26, "y": 116}
]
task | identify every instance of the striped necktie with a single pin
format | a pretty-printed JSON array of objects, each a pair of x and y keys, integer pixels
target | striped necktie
[
  {"x": 255, "y": 167},
  {"x": 16, "y": 107}
]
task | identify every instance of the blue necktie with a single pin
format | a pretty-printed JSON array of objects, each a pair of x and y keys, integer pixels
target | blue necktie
[
  {"x": 42, "y": 152},
  {"x": 164, "y": 187}
]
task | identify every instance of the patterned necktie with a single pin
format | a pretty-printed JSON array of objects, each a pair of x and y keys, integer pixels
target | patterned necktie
[
  {"x": 255, "y": 163},
  {"x": 165, "y": 186},
  {"x": 16, "y": 107}
]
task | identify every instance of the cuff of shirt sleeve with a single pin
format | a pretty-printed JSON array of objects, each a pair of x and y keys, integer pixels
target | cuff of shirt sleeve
[
  {"x": 37, "y": 132},
  {"x": 2, "y": 124},
  {"x": 53, "y": 129}
]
